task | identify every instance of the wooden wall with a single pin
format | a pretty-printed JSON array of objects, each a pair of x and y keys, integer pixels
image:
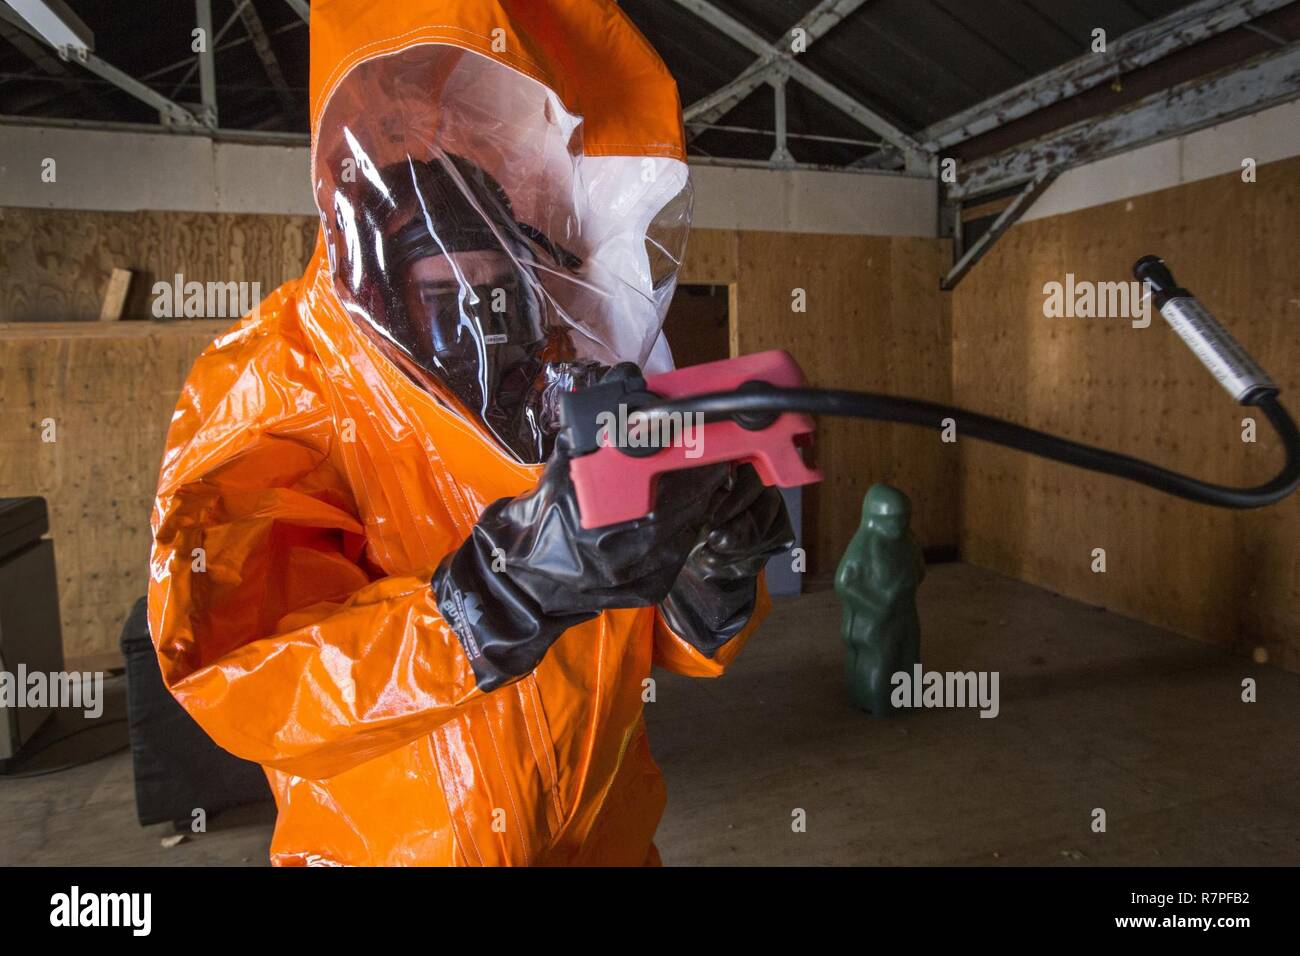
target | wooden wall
[
  {"x": 1231, "y": 578},
  {"x": 109, "y": 388},
  {"x": 56, "y": 263},
  {"x": 875, "y": 319}
]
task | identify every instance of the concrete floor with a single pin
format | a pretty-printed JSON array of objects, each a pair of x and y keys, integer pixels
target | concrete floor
[
  {"x": 1097, "y": 711},
  {"x": 85, "y": 816}
]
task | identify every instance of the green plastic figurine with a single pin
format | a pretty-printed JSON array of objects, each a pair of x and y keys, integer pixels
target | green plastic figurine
[{"x": 876, "y": 582}]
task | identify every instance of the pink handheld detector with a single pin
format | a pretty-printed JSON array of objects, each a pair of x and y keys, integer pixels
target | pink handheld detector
[{"x": 619, "y": 454}]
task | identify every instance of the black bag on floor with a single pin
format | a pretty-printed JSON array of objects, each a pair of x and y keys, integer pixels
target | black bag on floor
[{"x": 178, "y": 768}]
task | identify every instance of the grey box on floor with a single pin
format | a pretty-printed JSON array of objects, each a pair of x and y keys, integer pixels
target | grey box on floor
[
  {"x": 781, "y": 577},
  {"x": 30, "y": 636}
]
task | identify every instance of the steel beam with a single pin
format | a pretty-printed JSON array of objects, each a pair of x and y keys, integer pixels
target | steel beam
[
  {"x": 169, "y": 112},
  {"x": 811, "y": 137},
  {"x": 1247, "y": 88},
  {"x": 781, "y": 155},
  {"x": 207, "y": 63},
  {"x": 1266, "y": 34},
  {"x": 1006, "y": 219},
  {"x": 1131, "y": 51},
  {"x": 721, "y": 101},
  {"x": 221, "y": 47},
  {"x": 193, "y": 63},
  {"x": 300, "y": 7},
  {"x": 33, "y": 47},
  {"x": 266, "y": 53},
  {"x": 255, "y": 137},
  {"x": 815, "y": 24},
  {"x": 55, "y": 23},
  {"x": 915, "y": 155},
  {"x": 832, "y": 94}
]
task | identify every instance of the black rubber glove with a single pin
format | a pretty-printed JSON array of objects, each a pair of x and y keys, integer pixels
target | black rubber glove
[
  {"x": 551, "y": 573},
  {"x": 714, "y": 594}
]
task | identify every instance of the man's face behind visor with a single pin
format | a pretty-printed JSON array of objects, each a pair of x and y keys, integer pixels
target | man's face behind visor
[
  {"x": 467, "y": 300},
  {"x": 455, "y": 288},
  {"x": 475, "y": 321}
]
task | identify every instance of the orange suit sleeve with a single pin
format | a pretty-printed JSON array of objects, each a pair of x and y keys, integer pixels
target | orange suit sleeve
[
  {"x": 674, "y": 653},
  {"x": 272, "y": 628}
]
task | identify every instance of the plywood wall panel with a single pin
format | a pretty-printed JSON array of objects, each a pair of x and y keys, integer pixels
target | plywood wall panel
[
  {"x": 57, "y": 263},
  {"x": 710, "y": 257},
  {"x": 109, "y": 389},
  {"x": 875, "y": 321},
  {"x": 1228, "y": 577}
]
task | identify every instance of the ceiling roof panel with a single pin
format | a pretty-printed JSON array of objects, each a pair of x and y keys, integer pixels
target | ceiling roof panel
[{"x": 914, "y": 62}]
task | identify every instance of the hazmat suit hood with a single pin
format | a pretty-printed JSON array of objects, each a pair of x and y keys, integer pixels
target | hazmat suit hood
[{"x": 503, "y": 214}]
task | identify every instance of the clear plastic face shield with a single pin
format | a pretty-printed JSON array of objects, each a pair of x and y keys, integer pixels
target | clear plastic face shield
[{"x": 491, "y": 259}]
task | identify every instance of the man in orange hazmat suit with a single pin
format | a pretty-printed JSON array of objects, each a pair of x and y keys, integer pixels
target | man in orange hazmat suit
[{"x": 368, "y": 571}]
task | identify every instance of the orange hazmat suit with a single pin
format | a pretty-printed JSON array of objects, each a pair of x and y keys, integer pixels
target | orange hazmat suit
[{"x": 312, "y": 481}]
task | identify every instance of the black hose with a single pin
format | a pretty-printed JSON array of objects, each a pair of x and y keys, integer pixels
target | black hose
[{"x": 759, "y": 402}]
